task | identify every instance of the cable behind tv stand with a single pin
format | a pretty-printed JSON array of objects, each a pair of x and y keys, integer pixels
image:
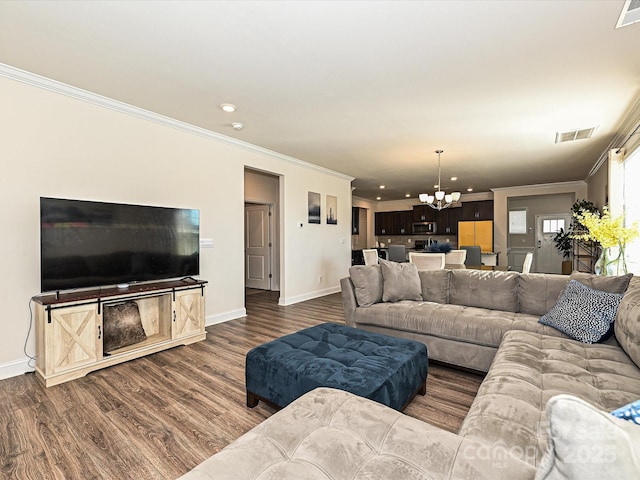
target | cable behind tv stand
[{"x": 70, "y": 327}]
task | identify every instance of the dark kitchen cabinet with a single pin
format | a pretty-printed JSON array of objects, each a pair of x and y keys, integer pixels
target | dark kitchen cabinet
[
  {"x": 403, "y": 222},
  {"x": 481, "y": 210},
  {"x": 384, "y": 223},
  {"x": 447, "y": 221},
  {"x": 394, "y": 223},
  {"x": 355, "y": 220},
  {"x": 424, "y": 213}
]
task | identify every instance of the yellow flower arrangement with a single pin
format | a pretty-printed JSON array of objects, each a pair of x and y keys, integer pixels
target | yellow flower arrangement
[
  {"x": 604, "y": 229},
  {"x": 612, "y": 236}
]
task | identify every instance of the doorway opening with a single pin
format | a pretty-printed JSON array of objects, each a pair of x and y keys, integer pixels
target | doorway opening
[{"x": 261, "y": 233}]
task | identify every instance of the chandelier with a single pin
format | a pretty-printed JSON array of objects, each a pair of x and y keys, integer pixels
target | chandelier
[{"x": 440, "y": 200}]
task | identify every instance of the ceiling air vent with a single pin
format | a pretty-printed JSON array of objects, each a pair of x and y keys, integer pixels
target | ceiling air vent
[
  {"x": 630, "y": 13},
  {"x": 578, "y": 134}
]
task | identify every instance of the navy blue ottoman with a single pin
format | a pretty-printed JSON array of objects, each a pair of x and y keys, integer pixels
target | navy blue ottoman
[{"x": 386, "y": 369}]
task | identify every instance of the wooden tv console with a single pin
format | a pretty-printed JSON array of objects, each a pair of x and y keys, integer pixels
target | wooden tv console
[{"x": 69, "y": 326}]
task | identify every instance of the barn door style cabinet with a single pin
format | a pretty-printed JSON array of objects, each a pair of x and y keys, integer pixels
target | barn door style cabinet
[{"x": 79, "y": 332}]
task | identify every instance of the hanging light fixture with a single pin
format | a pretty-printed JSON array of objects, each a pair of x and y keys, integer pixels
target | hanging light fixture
[{"x": 439, "y": 200}]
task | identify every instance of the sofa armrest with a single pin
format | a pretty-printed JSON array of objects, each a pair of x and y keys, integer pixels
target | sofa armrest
[{"x": 349, "y": 302}]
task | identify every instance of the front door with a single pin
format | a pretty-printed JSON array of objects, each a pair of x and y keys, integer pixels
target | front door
[
  {"x": 257, "y": 246},
  {"x": 546, "y": 257}
]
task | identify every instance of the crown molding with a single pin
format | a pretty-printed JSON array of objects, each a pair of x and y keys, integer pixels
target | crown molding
[
  {"x": 576, "y": 183},
  {"x": 13, "y": 73}
]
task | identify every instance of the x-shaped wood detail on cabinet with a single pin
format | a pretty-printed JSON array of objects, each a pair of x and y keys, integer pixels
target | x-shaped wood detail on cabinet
[
  {"x": 190, "y": 311},
  {"x": 74, "y": 337}
]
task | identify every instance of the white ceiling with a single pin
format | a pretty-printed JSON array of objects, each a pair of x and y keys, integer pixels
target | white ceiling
[{"x": 366, "y": 88}]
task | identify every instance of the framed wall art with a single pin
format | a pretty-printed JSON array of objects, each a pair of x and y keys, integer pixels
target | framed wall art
[
  {"x": 313, "y": 203},
  {"x": 332, "y": 210}
]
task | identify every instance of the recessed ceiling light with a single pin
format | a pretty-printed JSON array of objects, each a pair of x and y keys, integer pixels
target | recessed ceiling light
[
  {"x": 378, "y": 198},
  {"x": 237, "y": 126},
  {"x": 453, "y": 179},
  {"x": 228, "y": 107},
  {"x": 382, "y": 187},
  {"x": 469, "y": 189},
  {"x": 408, "y": 195}
]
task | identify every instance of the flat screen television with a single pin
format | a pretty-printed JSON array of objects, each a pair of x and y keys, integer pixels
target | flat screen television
[{"x": 87, "y": 244}]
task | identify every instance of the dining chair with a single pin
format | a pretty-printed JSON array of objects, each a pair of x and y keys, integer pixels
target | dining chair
[
  {"x": 370, "y": 256},
  {"x": 528, "y": 260},
  {"x": 455, "y": 257},
  {"x": 397, "y": 253},
  {"x": 427, "y": 261},
  {"x": 474, "y": 255}
]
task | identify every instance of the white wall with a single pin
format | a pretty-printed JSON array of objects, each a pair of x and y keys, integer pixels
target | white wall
[{"x": 57, "y": 145}]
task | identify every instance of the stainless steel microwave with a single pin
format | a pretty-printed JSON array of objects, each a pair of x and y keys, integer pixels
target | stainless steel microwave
[{"x": 424, "y": 228}]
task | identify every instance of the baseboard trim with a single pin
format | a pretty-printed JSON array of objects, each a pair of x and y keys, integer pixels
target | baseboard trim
[
  {"x": 15, "y": 368},
  {"x": 284, "y": 301},
  {"x": 225, "y": 316}
]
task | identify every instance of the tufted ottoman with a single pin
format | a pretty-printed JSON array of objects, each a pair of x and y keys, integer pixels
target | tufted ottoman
[{"x": 386, "y": 369}]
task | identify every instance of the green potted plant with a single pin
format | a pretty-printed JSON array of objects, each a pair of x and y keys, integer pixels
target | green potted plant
[{"x": 564, "y": 244}]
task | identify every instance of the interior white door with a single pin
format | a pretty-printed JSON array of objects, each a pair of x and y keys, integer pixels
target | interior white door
[
  {"x": 546, "y": 257},
  {"x": 257, "y": 246}
]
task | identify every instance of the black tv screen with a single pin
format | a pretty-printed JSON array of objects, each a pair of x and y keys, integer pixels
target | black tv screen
[{"x": 89, "y": 244}]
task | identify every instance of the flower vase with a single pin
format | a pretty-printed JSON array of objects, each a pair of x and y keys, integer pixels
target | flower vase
[{"x": 611, "y": 262}]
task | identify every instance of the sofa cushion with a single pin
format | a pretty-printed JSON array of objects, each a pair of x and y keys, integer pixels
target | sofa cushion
[
  {"x": 367, "y": 282},
  {"x": 400, "y": 281},
  {"x": 435, "y": 285},
  {"x": 538, "y": 292},
  {"x": 484, "y": 289},
  {"x": 613, "y": 284},
  {"x": 478, "y": 326},
  {"x": 583, "y": 313},
  {"x": 587, "y": 443},
  {"x": 529, "y": 369},
  {"x": 333, "y": 435},
  {"x": 627, "y": 325}
]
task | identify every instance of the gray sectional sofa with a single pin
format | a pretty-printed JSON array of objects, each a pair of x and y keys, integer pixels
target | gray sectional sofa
[
  {"x": 461, "y": 315},
  {"x": 541, "y": 411}
]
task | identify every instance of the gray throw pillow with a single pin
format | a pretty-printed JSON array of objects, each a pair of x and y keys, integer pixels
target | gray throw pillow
[
  {"x": 617, "y": 284},
  {"x": 583, "y": 313},
  {"x": 400, "y": 281},
  {"x": 367, "y": 281},
  {"x": 588, "y": 443}
]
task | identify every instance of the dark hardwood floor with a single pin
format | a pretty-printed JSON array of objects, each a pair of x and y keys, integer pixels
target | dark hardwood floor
[{"x": 159, "y": 416}]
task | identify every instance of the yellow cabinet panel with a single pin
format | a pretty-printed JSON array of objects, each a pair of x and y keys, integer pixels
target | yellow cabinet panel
[{"x": 478, "y": 233}]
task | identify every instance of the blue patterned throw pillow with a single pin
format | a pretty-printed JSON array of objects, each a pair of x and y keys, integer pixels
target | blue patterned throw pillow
[
  {"x": 629, "y": 412},
  {"x": 583, "y": 313}
]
